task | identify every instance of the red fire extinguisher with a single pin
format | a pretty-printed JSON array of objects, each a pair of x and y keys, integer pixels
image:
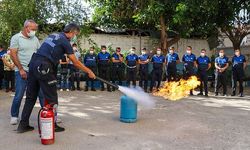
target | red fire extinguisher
[{"x": 46, "y": 124}]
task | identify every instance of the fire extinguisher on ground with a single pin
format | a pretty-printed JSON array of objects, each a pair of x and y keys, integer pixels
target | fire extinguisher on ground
[{"x": 46, "y": 124}]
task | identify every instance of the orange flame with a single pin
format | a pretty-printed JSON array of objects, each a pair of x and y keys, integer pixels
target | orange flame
[{"x": 178, "y": 90}]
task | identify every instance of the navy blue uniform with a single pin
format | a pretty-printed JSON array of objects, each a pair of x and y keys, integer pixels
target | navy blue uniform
[
  {"x": 171, "y": 60},
  {"x": 189, "y": 61},
  {"x": 42, "y": 72},
  {"x": 1, "y": 68},
  {"x": 90, "y": 60},
  {"x": 117, "y": 69},
  {"x": 220, "y": 77},
  {"x": 103, "y": 67},
  {"x": 203, "y": 64},
  {"x": 157, "y": 71},
  {"x": 143, "y": 71},
  {"x": 131, "y": 68},
  {"x": 238, "y": 72}
]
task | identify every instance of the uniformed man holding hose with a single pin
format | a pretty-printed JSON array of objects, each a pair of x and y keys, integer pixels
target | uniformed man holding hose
[{"x": 42, "y": 72}]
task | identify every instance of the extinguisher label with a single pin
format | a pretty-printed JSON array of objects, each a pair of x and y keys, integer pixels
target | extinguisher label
[{"x": 46, "y": 128}]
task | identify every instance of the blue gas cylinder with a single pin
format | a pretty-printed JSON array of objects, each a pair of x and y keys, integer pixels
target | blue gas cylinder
[{"x": 128, "y": 110}]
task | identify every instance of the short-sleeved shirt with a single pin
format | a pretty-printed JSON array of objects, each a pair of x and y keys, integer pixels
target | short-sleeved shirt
[
  {"x": 90, "y": 60},
  {"x": 171, "y": 60},
  {"x": 221, "y": 61},
  {"x": 189, "y": 61},
  {"x": 55, "y": 46},
  {"x": 158, "y": 61},
  {"x": 9, "y": 61},
  {"x": 103, "y": 58},
  {"x": 116, "y": 57},
  {"x": 25, "y": 48},
  {"x": 203, "y": 63},
  {"x": 131, "y": 60},
  {"x": 238, "y": 61},
  {"x": 144, "y": 57}
]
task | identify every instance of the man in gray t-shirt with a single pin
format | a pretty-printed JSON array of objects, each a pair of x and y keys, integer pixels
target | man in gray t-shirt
[{"x": 22, "y": 46}]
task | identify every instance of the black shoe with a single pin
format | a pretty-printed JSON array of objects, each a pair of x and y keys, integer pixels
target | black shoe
[
  {"x": 113, "y": 89},
  {"x": 109, "y": 90},
  {"x": 216, "y": 94},
  {"x": 200, "y": 94},
  {"x": 233, "y": 94},
  {"x": 86, "y": 89},
  {"x": 73, "y": 89},
  {"x": 78, "y": 89},
  {"x": 22, "y": 129},
  {"x": 93, "y": 89},
  {"x": 191, "y": 94},
  {"x": 102, "y": 89},
  {"x": 59, "y": 129},
  {"x": 206, "y": 95}
]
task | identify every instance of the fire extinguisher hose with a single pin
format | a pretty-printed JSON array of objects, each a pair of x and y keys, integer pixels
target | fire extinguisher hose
[{"x": 38, "y": 121}]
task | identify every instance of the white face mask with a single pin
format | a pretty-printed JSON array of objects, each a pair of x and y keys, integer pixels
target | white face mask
[
  {"x": 171, "y": 51},
  {"x": 103, "y": 51},
  {"x": 32, "y": 33},
  {"x": 91, "y": 52},
  {"x": 158, "y": 52},
  {"x": 221, "y": 54},
  {"x": 188, "y": 52},
  {"x": 132, "y": 52},
  {"x": 203, "y": 54},
  {"x": 237, "y": 53},
  {"x": 74, "y": 48},
  {"x": 143, "y": 53}
]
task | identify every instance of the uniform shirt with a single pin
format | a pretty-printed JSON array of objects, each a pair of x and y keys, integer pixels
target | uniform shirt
[
  {"x": 189, "y": 61},
  {"x": 238, "y": 61},
  {"x": 8, "y": 60},
  {"x": 143, "y": 57},
  {"x": 90, "y": 60},
  {"x": 158, "y": 61},
  {"x": 116, "y": 57},
  {"x": 25, "y": 48},
  {"x": 171, "y": 60},
  {"x": 55, "y": 46},
  {"x": 221, "y": 61},
  {"x": 203, "y": 63},
  {"x": 132, "y": 58},
  {"x": 1, "y": 55},
  {"x": 103, "y": 58}
]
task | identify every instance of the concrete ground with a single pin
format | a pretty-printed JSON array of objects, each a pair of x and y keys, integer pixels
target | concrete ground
[{"x": 92, "y": 122}]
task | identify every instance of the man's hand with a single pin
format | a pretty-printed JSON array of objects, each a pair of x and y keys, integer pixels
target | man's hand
[
  {"x": 23, "y": 74},
  {"x": 91, "y": 75}
]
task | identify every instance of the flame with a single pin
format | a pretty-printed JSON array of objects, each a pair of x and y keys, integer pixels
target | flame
[{"x": 179, "y": 89}]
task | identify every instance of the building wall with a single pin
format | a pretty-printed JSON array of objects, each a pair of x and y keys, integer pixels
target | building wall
[{"x": 127, "y": 41}]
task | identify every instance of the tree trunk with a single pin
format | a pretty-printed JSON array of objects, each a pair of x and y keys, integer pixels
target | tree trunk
[{"x": 164, "y": 35}]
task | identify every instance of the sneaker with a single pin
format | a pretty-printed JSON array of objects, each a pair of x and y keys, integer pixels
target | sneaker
[
  {"x": 58, "y": 128},
  {"x": 13, "y": 120},
  {"x": 233, "y": 94},
  {"x": 200, "y": 94},
  {"x": 67, "y": 90},
  {"x": 61, "y": 90},
  {"x": 224, "y": 95},
  {"x": 216, "y": 94},
  {"x": 241, "y": 95},
  {"x": 22, "y": 129}
]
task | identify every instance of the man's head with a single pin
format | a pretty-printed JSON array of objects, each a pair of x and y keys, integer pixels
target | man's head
[
  {"x": 171, "y": 50},
  {"x": 103, "y": 48},
  {"x": 71, "y": 30},
  {"x": 237, "y": 52},
  {"x": 132, "y": 50},
  {"x": 29, "y": 28},
  {"x": 118, "y": 49},
  {"x": 221, "y": 53},
  {"x": 74, "y": 46},
  {"x": 143, "y": 51},
  {"x": 189, "y": 50},
  {"x": 91, "y": 50},
  {"x": 203, "y": 52},
  {"x": 158, "y": 51}
]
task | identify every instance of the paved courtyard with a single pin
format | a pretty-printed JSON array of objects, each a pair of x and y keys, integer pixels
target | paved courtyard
[{"x": 92, "y": 122}]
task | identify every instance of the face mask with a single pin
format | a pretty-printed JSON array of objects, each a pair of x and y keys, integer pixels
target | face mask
[
  {"x": 74, "y": 48},
  {"x": 143, "y": 53},
  {"x": 32, "y": 33},
  {"x": 118, "y": 52},
  {"x": 132, "y": 52},
  {"x": 91, "y": 52},
  {"x": 202, "y": 54},
  {"x": 237, "y": 53},
  {"x": 171, "y": 51},
  {"x": 158, "y": 52},
  {"x": 221, "y": 54},
  {"x": 103, "y": 51},
  {"x": 188, "y": 52}
]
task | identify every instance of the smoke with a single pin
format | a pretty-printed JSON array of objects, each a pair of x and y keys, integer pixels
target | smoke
[{"x": 139, "y": 96}]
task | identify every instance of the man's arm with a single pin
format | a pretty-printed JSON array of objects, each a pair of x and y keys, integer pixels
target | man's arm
[
  {"x": 15, "y": 59},
  {"x": 81, "y": 66}
]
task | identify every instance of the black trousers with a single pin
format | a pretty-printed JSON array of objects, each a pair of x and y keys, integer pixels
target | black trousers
[
  {"x": 237, "y": 75},
  {"x": 117, "y": 74},
  {"x": 103, "y": 72},
  {"x": 88, "y": 79},
  {"x": 42, "y": 74},
  {"x": 131, "y": 76},
  {"x": 9, "y": 77},
  {"x": 74, "y": 76},
  {"x": 204, "y": 79},
  {"x": 156, "y": 76},
  {"x": 220, "y": 79},
  {"x": 143, "y": 72},
  {"x": 1, "y": 74},
  {"x": 171, "y": 74},
  {"x": 187, "y": 74}
]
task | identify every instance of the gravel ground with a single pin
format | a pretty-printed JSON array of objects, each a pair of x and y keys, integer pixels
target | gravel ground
[{"x": 92, "y": 122}]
